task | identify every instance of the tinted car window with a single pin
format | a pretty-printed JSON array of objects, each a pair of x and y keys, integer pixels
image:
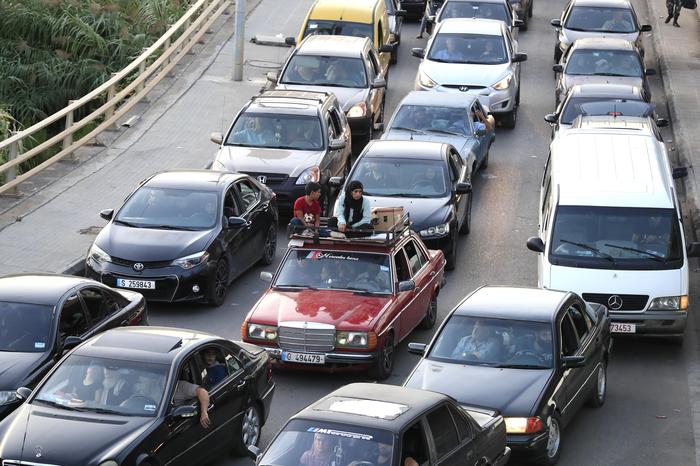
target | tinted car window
[
  {"x": 99, "y": 305},
  {"x": 166, "y": 208},
  {"x": 214, "y": 367},
  {"x": 338, "y": 28},
  {"x": 485, "y": 10},
  {"x": 72, "y": 320},
  {"x": 416, "y": 259},
  {"x": 569, "y": 341},
  {"x": 576, "y": 106},
  {"x": 604, "y": 62},
  {"x": 443, "y": 431},
  {"x": 276, "y": 131},
  {"x": 325, "y": 71},
  {"x": 24, "y": 327},
  {"x": 432, "y": 119},
  {"x": 249, "y": 193},
  {"x": 468, "y": 48},
  {"x": 579, "y": 321},
  {"x": 597, "y": 19},
  {"x": 403, "y": 269},
  {"x": 463, "y": 428},
  {"x": 389, "y": 177}
]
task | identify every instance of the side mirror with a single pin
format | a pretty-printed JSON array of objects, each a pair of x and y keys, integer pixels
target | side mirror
[
  {"x": 336, "y": 181},
  {"x": 272, "y": 76},
  {"x": 379, "y": 82},
  {"x": 535, "y": 244},
  {"x": 650, "y": 72},
  {"x": 572, "y": 362},
  {"x": 407, "y": 285},
  {"x": 679, "y": 172},
  {"x": 107, "y": 214},
  {"x": 551, "y": 118},
  {"x": 556, "y": 23},
  {"x": 71, "y": 342},
  {"x": 661, "y": 122},
  {"x": 290, "y": 41},
  {"x": 387, "y": 48},
  {"x": 400, "y": 13},
  {"x": 417, "y": 348},
  {"x": 518, "y": 23},
  {"x": 463, "y": 187},
  {"x": 183, "y": 412},
  {"x": 336, "y": 144},
  {"x": 418, "y": 52},
  {"x": 558, "y": 68},
  {"x": 216, "y": 137},
  {"x": 266, "y": 276},
  {"x": 23, "y": 393},
  {"x": 519, "y": 57},
  {"x": 645, "y": 28},
  {"x": 693, "y": 250},
  {"x": 253, "y": 452},
  {"x": 237, "y": 222}
]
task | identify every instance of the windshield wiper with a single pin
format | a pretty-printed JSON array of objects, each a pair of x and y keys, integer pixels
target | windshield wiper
[
  {"x": 521, "y": 366},
  {"x": 56, "y": 405},
  {"x": 358, "y": 290},
  {"x": 288, "y": 287},
  {"x": 168, "y": 227},
  {"x": 99, "y": 410},
  {"x": 404, "y": 128},
  {"x": 616, "y": 74},
  {"x": 126, "y": 224},
  {"x": 653, "y": 256},
  {"x": 444, "y": 131},
  {"x": 590, "y": 248}
]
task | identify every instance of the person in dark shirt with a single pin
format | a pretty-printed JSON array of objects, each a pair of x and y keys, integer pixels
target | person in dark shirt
[{"x": 216, "y": 371}]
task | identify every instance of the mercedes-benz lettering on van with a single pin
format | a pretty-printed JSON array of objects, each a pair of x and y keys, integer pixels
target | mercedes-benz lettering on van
[{"x": 611, "y": 229}]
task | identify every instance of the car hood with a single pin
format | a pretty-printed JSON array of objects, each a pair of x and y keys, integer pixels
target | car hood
[
  {"x": 614, "y": 281},
  {"x": 343, "y": 309},
  {"x": 257, "y": 160},
  {"x": 15, "y": 367},
  {"x": 514, "y": 392},
  {"x": 151, "y": 245},
  {"x": 568, "y": 36},
  {"x": 572, "y": 80},
  {"x": 424, "y": 212},
  {"x": 48, "y": 435},
  {"x": 456, "y": 74},
  {"x": 403, "y": 135},
  {"x": 347, "y": 96}
]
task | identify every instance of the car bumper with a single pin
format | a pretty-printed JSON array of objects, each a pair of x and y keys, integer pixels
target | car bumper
[
  {"x": 651, "y": 323},
  {"x": 443, "y": 243},
  {"x": 334, "y": 360},
  {"x": 499, "y": 101},
  {"x": 172, "y": 283},
  {"x": 527, "y": 444},
  {"x": 503, "y": 458},
  {"x": 359, "y": 127}
]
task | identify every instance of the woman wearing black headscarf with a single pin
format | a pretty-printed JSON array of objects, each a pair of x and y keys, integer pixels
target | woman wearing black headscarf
[{"x": 352, "y": 210}]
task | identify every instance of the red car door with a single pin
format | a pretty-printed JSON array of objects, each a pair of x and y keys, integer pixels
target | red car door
[
  {"x": 418, "y": 261},
  {"x": 405, "y": 299}
]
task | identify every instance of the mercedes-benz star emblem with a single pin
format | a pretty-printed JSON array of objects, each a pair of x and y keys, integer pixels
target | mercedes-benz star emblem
[
  {"x": 614, "y": 302},
  {"x": 138, "y": 266},
  {"x": 37, "y": 451},
  {"x": 262, "y": 179},
  {"x": 464, "y": 88}
]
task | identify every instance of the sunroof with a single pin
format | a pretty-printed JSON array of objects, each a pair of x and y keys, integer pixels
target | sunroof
[{"x": 370, "y": 408}]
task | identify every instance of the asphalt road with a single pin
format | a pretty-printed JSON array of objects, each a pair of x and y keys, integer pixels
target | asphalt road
[{"x": 647, "y": 417}]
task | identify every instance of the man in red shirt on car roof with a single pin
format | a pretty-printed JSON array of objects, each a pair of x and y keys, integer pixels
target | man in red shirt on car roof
[{"x": 307, "y": 209}]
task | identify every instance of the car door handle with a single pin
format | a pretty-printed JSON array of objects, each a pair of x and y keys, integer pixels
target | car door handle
[
  {"x": 416, "y": 290},
  {"x": 241, "y": 385},
  {"x": 433, "y": 273}
]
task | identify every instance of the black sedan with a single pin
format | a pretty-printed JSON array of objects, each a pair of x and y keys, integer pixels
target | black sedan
[
  {"x": 132, "y": 396},
  {"x": 41, "y": 316},
  {"x": 429, "y": 180},
  {"x": 185, "y": 235},
  {"x": 536, "y": 355}
]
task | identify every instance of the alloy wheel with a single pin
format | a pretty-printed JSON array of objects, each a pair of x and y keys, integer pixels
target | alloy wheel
[
  {"x": 553, "y": 439},
  {"x": 250, "y": 430}
]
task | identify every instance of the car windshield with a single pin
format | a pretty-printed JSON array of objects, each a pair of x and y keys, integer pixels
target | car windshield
[
  {"x": 601, "y": 19},
  {"x": 616, "y": 237},
  {"x": 428, "y": 118},
  {"x": 402, "y": 177},
  {"x": 276, "y": 131},
  {"x": 484, "y": 341},
  {"x": 589, "y": 62},
  {"x": 25, "y": 327},
  {"x": 303, "y": 442},
  {"x": 486, "y": 10},
  {"x": 170, "y": 209},
  {"x": 338, "y": 28},
  {"x": 314, "y": 70},
  {"x": 337, "y": 270},
  {"x": 599, "y": 106},
  {"x": 468, "y": 48},
  {"x": 111, "y": 386}
]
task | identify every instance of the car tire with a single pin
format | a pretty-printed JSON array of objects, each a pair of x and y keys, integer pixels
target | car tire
[
  {"x": 384, "y": 365},
  {"x": 451, "y": 260},
  {"x": 467, "y": 224},
  {"x": 600, "y": 388},
  {"x": 509, "y": 119},
  {"x": 218, "y": 284},
  {"x": 250, "y": 429},
  {"x": 270, "y": 247},
  {"x": 430, "y": 318},
  {"x": 552, "y": 450}
]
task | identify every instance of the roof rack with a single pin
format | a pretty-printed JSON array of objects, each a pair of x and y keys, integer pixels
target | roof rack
[{"x": 383, "y": 237}]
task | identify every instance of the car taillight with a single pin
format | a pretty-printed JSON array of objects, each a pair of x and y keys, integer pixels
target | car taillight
[
  {"x": 523, "y": 425},
  {"x": 135, "y": 319}
]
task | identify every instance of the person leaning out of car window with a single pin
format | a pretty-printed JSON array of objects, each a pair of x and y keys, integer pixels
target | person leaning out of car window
[
  {"x": 185, "y": 391},
  {"x": 352, "y": 213}
]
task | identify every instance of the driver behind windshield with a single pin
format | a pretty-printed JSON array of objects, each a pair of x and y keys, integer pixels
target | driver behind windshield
[
  {"x": 481, "y": 345},
  {"x": 450, "y": 51},
  {"x": 618, "y": 23}
]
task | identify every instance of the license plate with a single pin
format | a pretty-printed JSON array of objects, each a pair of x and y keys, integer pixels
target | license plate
[
  {"x": 618, "y": 327},
  {"x": 137, "y": 284},
  {"x": 304, "y": 358}
]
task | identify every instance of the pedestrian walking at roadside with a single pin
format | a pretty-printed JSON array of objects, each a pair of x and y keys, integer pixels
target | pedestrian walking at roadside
[{"x": 674, "y": 10}]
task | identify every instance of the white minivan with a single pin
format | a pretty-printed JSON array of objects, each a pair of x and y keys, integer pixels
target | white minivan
[{"x": 610, "y": 229}]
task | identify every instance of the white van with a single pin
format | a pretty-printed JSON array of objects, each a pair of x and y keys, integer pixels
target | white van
[{"x": 611, "y": 229}]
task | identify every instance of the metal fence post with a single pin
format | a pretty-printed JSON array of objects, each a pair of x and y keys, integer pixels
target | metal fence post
[
  {"x": 11, "y": 172},
  {"x": 68, "y": 139},
  {"x": 238, "y": 41}
]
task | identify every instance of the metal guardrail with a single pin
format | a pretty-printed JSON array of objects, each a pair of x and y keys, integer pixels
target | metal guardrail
[{"x": 122, "y": 93}]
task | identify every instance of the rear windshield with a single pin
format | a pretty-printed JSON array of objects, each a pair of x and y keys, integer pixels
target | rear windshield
[
  {"x": 316, "y": 70},
  {"x": 596, "y": 106},
  {"x": 338, "y": 28},
  {"x": 276, "y": 131},
  {"x": 397, "y": 177},
  {"x": 601, "y": 19},
  {"x": 433, "y": 119},
  {"x": 486, "y": 10},
  {"x": 604, "y": 63}
]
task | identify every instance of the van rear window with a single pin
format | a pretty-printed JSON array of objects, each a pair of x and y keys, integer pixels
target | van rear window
[{"x": 338, "y": 28}]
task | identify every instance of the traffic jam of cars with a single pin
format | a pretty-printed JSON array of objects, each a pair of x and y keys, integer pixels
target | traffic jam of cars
[{"x": 379, "y": 205}]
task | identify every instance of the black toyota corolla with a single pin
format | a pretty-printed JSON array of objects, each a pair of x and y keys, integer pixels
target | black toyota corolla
[
  {"x": 185, "y": 235},
  {"x": 122, "y": 399}
]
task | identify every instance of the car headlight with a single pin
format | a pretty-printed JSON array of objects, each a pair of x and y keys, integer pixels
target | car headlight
[
  {"x": 109, "y": 463},
  {"x": 98, "y": 255},
  {"x": 218, "y": 166},
  {"x": 669, "y": 303},
  {"x": 503, "y": 83},
  {"x": 425, "y": 81},
  {"x": 193, "y": 260},
  {"x": 352, "y": 339},
  {"x": 310, "y": 174},
  {"x": 437, "y": 230},
  {"x": 358, "y": 110},
  {"x": 8, "y": 397},
  {"x": 262, "y": 332},
  {"x": 523, "y": 425}
]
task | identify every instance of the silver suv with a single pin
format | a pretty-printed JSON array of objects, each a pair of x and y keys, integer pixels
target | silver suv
[{"x": 285, "y": 139}]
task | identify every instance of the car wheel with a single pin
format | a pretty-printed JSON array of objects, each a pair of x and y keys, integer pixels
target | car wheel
[
  {"x": 452, "y": 258},
  {"x": 467, "y": 224},
  {"x": 270, "y": 247},
  {"x": 601, "y": 384},
  {"x": 553, "y": 447},
  {"x": 428, "y": 321},
  {"x": 218, "y": 285},
  {"x": 249, "y": 435},
  {"x": 384, "y": 364},
  {"x": 509, "y": 119}
]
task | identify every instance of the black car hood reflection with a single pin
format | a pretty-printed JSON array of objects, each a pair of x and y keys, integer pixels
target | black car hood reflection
[
  {"x": 425, "y": 212},
  {"x": 515, "y": 392},
  {"x": 15, "y": 367},
  {"x": 51, "y": 434},
  {"x": 149, "y": 244}
]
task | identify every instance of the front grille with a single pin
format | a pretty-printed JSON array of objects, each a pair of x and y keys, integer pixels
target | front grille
[
  {"x": 306, "y": 337},
  {"x": 630, "y": 302},
  {"x": 24, "y": 463},
  {"x": 147, "y": 265},
  {"x": 270, "y": 178},
  {"x": 463, "y": 87}
]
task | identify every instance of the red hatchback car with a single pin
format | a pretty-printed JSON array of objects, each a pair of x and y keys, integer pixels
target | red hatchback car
[{"x": 347, "y": 303}]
